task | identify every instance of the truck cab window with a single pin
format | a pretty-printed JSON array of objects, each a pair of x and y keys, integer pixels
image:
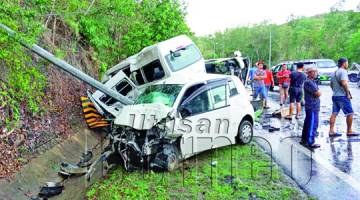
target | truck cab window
[
  {"x": 153, "y": 71},
  {"x": 137, "y": 77}
]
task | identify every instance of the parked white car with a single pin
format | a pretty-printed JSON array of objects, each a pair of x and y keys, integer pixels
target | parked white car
[{"x": 180, "y": 117}]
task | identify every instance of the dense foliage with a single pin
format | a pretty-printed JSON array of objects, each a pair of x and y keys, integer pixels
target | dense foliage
[
  {"x": 329, "y": 35},
  {"x": 114, "y": 29}
]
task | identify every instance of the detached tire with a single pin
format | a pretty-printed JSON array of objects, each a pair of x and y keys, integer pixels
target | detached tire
[{"x": 245, "y": 132}]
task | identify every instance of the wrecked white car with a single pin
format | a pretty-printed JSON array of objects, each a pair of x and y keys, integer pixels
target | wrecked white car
[
  {"x": 183, "y": 111},
  {"x": 182, "y": 116}
]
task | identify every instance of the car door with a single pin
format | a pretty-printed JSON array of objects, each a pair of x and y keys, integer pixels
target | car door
[
  {"x": 202, "y": 116},
  {"x": 121, "y": 84}
]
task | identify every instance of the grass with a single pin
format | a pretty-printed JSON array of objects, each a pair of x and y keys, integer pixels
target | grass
[{"x": 196, "y": 178}]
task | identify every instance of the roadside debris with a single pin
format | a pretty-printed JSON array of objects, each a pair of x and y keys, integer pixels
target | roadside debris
[
  {"x": 51, "y": 189},
  {"x": 213, "y": 163},
  {"x": 252, "y": 196},
  {"x": 229, "y": 179},
  {"x": 273, "y": 129},
  {"x": 85, "y": 160},
  {"x": 71, "y": 169},
  {"x": 68, "y": 169}
]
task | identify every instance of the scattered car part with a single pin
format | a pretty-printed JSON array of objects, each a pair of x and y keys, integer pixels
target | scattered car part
[
  {"x": 68, "y": 168},
  {"x": 213, "y": 163},
  {"x": 51, "y": 189},
  {"x": 103, "y": 157},
  {"x": 353, "y": 77},
  {"x": 273, "y": 129},
  {"x": 85, "y": 160},
  {"x": 266, "y": 126},
  {"x": 229, "y": 179},
  {"x": 353, "y": 72},
  {"x": 277, "y": 114}
]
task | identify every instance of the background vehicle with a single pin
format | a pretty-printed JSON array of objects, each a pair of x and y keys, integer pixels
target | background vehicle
[
  {"x": 353, "y": 73},
  {"x": 275, "y": 69},
  {"x": 236, "y": 66},
  {"x": 325, "y": 67}
]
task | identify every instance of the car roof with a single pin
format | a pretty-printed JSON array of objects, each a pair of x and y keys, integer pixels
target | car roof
[
  {"x": 313, "y": 60},
  {"x": 192, "y": 79},
  {"x": 218, "y": 60}
]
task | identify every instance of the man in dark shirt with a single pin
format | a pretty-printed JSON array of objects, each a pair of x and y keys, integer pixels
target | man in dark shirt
[
  {"x": 297, "y": 79},
  {"x": 312, "y": 108}
]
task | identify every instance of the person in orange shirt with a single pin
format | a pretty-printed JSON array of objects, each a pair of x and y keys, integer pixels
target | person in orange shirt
[
  {"x": 284, "y": 83},
  {"x": 268, "y": 81}
]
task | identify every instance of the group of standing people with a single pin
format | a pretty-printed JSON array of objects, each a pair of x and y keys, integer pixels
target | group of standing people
[{"x": 302, "y": 83}]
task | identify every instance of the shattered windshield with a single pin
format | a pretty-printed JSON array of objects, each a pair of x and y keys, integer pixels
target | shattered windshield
[
  {"x": 183, "y": 57},
  {"x": 165, "y": 94}
]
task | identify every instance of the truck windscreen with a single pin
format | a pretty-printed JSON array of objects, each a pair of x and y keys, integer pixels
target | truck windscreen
[{"x": 183, "y": 57}]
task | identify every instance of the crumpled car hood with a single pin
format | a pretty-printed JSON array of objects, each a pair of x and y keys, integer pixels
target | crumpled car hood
[{"x": 142, "y": 116}]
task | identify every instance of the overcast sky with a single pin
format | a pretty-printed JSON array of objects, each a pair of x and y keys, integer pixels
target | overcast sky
[{"x": 208, "y": 16}]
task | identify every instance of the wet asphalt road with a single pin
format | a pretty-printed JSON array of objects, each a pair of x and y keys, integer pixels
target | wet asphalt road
[{"x": 330, "y": 172}]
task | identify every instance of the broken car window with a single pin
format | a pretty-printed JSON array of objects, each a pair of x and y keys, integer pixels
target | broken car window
[
  {"x": 232, "y": 89},
  {"x": 183, "y": 57},
  {"x": 123, "y": 87},
  {"x": 199, "y": 104},
  {"x": 137, "y": 77},
  {"x": 153, "y": 71},
  {"x": 218, "y": 95},
  {"x": 165, "y": 94}
]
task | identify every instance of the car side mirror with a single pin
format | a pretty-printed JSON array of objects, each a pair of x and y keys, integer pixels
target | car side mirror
[{"x": 184, "y": 112}]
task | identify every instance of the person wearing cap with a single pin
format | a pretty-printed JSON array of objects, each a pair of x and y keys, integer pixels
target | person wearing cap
[
  {"x": 284, "y": 83},
  {"x": 312, "y": 108},
  {"x": 341, "y": 98}
]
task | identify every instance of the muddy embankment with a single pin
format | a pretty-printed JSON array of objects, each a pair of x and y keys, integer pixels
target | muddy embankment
[{"x": 31, "y": 153}]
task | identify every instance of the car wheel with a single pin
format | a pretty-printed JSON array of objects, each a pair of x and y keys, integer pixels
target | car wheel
[
  {"x": 167, "y": 159},
  {"x": 353, "y": 78},
  {"x": 245, "y": 132}
]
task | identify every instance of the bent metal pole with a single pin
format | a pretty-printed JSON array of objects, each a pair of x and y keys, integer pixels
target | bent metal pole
[{"x": 67, "y": 67}]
